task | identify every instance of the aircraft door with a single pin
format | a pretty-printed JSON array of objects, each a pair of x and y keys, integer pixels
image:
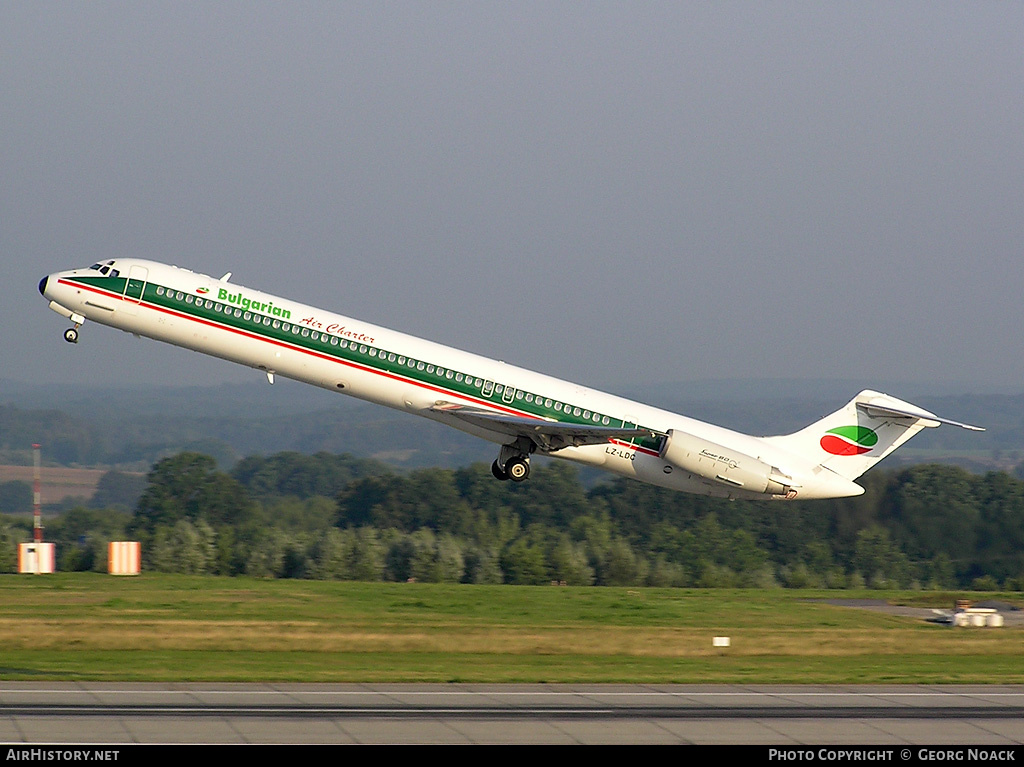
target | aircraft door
[
  {"x": 134, "y": 287},
  {"x": 630, "y": 422}
]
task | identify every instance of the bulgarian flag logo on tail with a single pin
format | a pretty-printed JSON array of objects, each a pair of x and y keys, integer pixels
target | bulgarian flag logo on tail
[{"x": 849, "y": 440}]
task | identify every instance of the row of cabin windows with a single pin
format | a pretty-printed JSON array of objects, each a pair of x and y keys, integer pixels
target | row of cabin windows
[{"x": 486, "y": 387}]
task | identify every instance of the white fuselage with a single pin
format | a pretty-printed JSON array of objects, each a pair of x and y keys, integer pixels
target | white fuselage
[{"x": 282, "y": 337}]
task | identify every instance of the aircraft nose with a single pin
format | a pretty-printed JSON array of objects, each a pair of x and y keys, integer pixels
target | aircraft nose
[{"x": 42, "y": 285}]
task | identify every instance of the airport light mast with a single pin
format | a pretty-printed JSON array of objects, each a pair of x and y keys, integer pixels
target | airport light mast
[{"x": 37, "y": 515}]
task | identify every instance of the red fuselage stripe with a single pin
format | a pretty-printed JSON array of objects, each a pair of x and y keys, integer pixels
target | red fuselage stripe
[{"x": 319, "y": 355}]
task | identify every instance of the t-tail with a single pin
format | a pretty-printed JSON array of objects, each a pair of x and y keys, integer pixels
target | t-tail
[{"x": 853, "y": 439}]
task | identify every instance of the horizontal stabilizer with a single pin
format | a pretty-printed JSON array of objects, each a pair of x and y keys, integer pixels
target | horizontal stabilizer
[{"x": 905, "y": 410}]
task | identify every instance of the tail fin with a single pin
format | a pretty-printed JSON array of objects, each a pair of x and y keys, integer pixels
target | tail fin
[{"x": 852, "y": 440}]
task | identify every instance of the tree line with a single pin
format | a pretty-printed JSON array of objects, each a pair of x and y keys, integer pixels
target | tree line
[{"x": 328, "y": 516}]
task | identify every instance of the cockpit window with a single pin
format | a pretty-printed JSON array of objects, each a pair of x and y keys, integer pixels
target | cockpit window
[{"x": 105, "y": 269}]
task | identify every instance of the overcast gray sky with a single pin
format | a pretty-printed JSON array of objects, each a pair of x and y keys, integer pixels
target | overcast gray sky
[{"x": 606, "y": 192}]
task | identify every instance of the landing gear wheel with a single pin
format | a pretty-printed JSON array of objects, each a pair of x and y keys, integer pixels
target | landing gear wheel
[
  {"x": 71, "y": 335},
  {"x": 517, "y": 469},
  {"x": 498, "y": 472}
]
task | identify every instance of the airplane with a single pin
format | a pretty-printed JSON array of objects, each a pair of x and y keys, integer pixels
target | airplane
[{"x": 522, "y": 411}]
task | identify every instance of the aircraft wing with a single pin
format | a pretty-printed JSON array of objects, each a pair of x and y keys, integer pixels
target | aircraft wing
[{"x": 547, "y": 435}]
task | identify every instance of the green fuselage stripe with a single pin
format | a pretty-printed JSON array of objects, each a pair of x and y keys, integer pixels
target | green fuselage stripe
[{"x": 265, "y": 319}]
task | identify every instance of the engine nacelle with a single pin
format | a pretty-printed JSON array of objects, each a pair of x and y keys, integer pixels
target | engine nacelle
[{"x": 724, "y": 465}]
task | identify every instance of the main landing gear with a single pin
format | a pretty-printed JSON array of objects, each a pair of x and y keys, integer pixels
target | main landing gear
[
  {"x": 514, "y": 461},
  {"x": 516, "y": 469},
  {"x": 71, "y": 335}
]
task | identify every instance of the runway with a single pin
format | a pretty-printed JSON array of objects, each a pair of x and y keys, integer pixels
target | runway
[{"x": 79, "y": 713}]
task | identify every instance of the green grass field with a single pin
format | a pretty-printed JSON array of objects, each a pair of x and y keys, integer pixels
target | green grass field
[{"x": 85, "y": 626}]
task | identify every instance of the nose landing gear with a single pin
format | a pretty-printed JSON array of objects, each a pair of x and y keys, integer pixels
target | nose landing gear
[{"x": 71, "y": 334}]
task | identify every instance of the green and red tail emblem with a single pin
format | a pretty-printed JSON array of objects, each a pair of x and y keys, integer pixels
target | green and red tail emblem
[{"x": 849, "y": 440}]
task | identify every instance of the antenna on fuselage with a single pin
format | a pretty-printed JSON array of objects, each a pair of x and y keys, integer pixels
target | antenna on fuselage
[{"x": 226, "y": 277}]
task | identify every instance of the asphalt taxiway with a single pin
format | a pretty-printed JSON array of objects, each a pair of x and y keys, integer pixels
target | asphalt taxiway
[{"x": 796, "y": 715}]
